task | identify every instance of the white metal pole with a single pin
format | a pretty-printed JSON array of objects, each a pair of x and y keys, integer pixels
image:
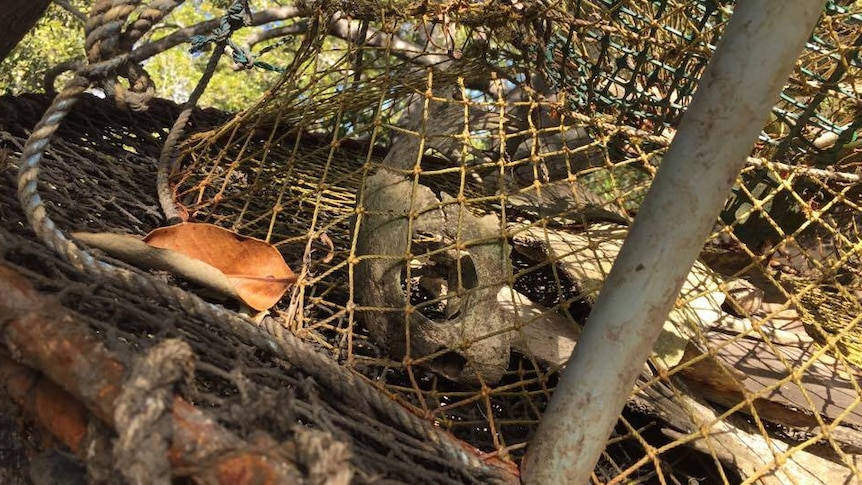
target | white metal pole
[{"x": 739, "y": 87}]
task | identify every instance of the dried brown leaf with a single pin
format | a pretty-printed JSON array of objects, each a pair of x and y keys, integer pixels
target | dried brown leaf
[{"x": 254, "y": 267}]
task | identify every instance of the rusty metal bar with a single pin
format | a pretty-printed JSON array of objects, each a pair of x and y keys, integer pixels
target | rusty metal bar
[{"x": 84, "y": 380}]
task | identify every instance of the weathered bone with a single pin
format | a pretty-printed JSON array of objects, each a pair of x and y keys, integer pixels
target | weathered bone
[
  {"x": 587, "y": 257},
  {"x": 484, "y": 317},
  {"x": 394, "y": 207}
]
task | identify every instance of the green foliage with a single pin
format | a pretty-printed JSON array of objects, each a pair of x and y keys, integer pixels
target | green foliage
[
  {"x": 59, "y": 37},
  {"x": 56, "y": 38},
  {"x": 176, "y": 72}
]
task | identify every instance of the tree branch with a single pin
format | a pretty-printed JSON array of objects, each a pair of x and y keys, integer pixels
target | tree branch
[
  {"x": 65, "y": 5},
  {"x": 339, "y": 27},
  {"x": 300, "y": 27},
  {"x": 261, "y": 17},
  {"x": 400, "y": 48}
]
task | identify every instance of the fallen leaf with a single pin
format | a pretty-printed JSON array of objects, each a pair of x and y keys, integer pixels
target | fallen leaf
[
  {"x": 239, "y": 267},
  {"x": 133, "y": 250},
  {"x": 255, "y": 268}
]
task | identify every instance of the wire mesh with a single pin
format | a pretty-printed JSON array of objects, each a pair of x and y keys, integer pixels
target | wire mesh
[{"x": 453, "y": 203}]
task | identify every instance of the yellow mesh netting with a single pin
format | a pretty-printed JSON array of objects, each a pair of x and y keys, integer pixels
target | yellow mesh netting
[
  {"x": 452, "y": 180},
  {"x": 474, "y": 203}
]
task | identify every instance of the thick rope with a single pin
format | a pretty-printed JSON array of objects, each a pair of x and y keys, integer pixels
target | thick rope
[
  {"x": 152, "y": 14},
  {"x": 236, "y": 17},
  {"x": 143, "y": 412},
  {"x": 108, "y": 52},
  {"x": 168, "y": 156},
  {"x": 344, "y": 383}
]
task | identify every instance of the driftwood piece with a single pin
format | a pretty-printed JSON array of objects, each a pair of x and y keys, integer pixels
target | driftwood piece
[
  {"x": 587, "y": 257},
  {"x": 564, "y": 203},
  {"x": 739, "y": 367},
  {"x": 546, "y": 336},
  {"x": 484, "y": 316},
  {"x": 732, "y": 442},
  {"x": 491, "y": 315},
  {"x": 758, "y": 371}
]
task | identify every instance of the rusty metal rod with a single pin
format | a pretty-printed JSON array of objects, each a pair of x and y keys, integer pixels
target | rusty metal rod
[{"x": 84, "y": 380}]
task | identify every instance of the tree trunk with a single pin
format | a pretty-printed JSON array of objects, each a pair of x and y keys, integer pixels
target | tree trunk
[{"x": 18, "y": 17}]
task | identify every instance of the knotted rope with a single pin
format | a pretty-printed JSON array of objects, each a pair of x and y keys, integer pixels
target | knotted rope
[{"x": 108, "y": 48}]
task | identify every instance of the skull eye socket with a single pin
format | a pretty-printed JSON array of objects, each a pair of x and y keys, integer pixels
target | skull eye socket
[
  {"x": 469, "y": 275},
  {"x": 438, "y": 283},
  {"x": 450, "y": 365}
]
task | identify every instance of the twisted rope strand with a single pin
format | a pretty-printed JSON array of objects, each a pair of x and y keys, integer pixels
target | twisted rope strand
[
  {"x": 168, "y": 155},
  {"x": 234, "y": 19},
  {"x": 344, "y": 383}
]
